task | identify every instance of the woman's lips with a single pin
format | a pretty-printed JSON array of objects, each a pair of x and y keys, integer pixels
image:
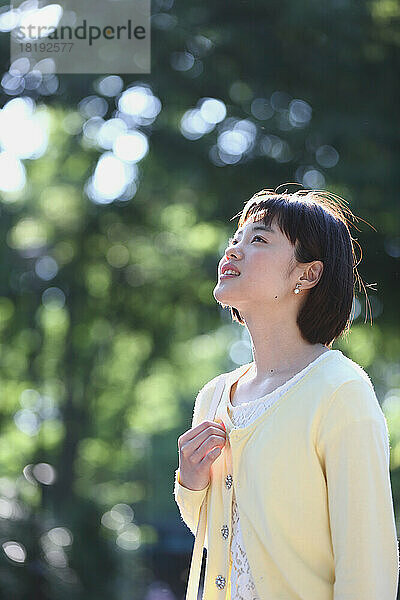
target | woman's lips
[{"x": 224, "y": 276}]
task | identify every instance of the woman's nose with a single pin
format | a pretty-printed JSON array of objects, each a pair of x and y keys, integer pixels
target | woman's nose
[
  {"x": 232, "y": 250},
  {"x": 235, "y": 254}
]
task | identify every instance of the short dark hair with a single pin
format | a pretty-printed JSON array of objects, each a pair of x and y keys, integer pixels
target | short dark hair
[{"x": 315, "y": 223}]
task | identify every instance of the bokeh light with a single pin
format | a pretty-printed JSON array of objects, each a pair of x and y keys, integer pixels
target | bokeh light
[
  {"x": 12, "y": 173},
  {"x": 139, "y": 103},
  {"x": 15, "y": 551},
  {"x": 131, "y": 147},
  {"x": 110, "y": 179},
  {"x": 110, "y": 86},
  {"x": 23, "y": 131}
]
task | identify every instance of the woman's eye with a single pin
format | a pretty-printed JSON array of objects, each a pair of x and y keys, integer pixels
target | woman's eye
[{"x": 232, "y": 241}]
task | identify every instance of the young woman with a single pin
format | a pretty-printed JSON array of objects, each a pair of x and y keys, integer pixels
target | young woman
[{"x": 294, "y": 467}]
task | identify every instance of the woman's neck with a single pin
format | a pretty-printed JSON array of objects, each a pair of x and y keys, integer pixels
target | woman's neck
[{"x": 285, "y": 365}]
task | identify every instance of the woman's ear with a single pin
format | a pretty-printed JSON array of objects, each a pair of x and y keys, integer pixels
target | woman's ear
[{"x": 312, "y": 274}]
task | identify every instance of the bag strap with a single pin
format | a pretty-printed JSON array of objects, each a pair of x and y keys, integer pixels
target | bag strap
[{"x": 197, "y": 555}]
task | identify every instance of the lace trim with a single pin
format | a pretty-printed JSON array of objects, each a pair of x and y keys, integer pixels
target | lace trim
[
  {"x": 242, "y": 584},
  {"x": 282, "y": 387}
]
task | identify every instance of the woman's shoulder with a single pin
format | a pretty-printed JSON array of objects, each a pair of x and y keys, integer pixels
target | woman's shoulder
[
  {"x": 347, "y": 369},
  {"x": 350, "y": 392},
  {"x": 342, "y": 375}
]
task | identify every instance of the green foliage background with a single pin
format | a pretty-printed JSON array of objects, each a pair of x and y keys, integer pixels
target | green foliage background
[{"x": 120, "y": 361}]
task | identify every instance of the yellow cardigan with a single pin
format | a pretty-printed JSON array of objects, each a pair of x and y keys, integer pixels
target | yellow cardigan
[{"x": 312, "y": 483}]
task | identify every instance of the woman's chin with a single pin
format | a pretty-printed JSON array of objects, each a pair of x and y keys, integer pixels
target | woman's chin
[{"x": 221, "y": 295}]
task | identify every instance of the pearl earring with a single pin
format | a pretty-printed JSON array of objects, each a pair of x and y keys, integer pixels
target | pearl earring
[{"x": 297, "y": 290}]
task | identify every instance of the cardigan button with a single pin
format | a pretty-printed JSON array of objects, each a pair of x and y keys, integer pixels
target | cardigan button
[
  {"x": 228, "y": 481},
  {"x": 220, "y": 582},
  {"x": 225, "y": 531}
]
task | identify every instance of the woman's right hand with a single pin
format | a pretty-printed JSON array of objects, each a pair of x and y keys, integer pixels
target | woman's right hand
[{"x": 198, "y": 448}]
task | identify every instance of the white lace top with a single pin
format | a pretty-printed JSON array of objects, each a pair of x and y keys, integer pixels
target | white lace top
[{"x": 241, "y": 584}]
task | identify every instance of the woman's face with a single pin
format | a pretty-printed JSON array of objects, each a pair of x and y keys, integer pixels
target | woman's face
[{"x": 268, "y": 271}]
